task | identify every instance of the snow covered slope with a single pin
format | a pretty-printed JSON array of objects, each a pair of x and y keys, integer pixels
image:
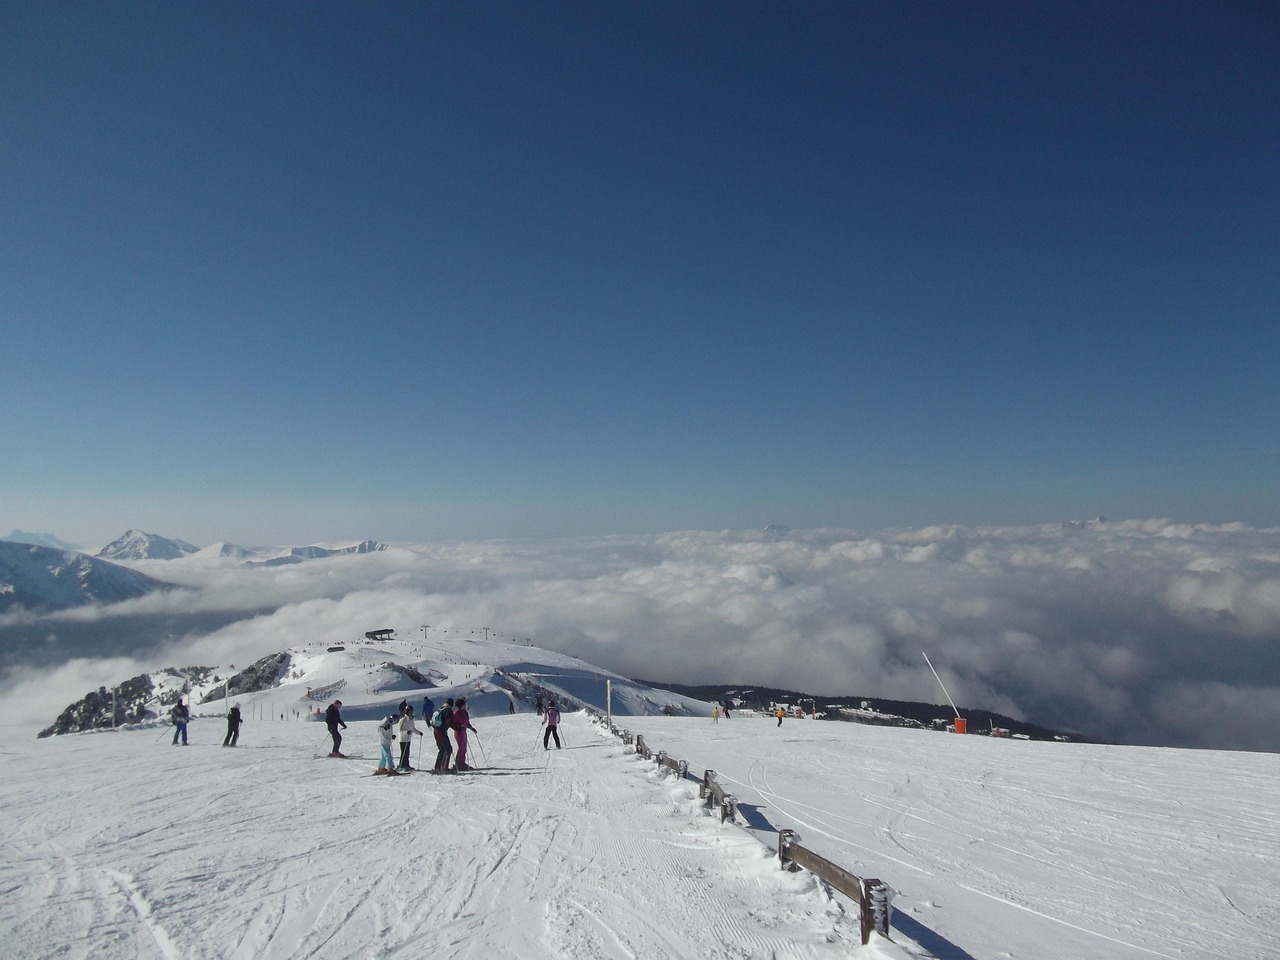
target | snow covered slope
[
  {"x": 997, "y": 849},
  {"x": 43, "y": 577},
  {"x": 372, "y": 678}
]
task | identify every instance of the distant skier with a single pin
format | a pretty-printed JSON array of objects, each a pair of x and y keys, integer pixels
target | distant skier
[
  {"x": 333, "y": 720},
  {"x": 461, "y": 724},
  {"x": 428, "y": 708},
  {"x": 781, "y": 713},
  {"x": 386, "y": 737},
  {"x": 233, "y": 726},
  {"x": 407, "y": 729},
  {"x": 404, "y": 706},
  {"x": 726, "y": 711},
  {"x": 441, "y": 720},
  {"x": 179, "y": 714},
  {"x": 538, "y": 705},
  {"x": 551, "y": 721},
  {"x": 715, "y": 714}
]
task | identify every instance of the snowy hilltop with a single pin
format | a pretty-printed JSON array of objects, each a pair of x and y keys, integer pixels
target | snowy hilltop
[
  {"x": 140, "y": 545},
  {"x": 33, "y": 577},
  {"x": 373, "y": 677}
]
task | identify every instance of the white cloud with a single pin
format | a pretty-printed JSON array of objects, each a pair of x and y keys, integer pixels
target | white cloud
[{"x": 1106, "y": 629}]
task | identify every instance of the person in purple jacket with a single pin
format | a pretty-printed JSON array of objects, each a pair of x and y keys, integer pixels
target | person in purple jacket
[
  {"x": 552, "y": 720},
  {"x": 461, "y": 724}
]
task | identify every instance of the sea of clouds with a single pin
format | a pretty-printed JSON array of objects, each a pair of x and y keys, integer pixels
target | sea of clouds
[{"x": 1138, "y": 631}]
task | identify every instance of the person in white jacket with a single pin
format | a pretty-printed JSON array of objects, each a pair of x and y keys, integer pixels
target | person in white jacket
[
  {"x": 386, "y": 737},
  {"x": 407, "y": 730}
]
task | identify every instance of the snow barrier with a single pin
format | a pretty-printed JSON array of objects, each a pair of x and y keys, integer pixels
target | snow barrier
[
  {"x": 713, "y": 792},
  {"x": 873, "y": 897}
]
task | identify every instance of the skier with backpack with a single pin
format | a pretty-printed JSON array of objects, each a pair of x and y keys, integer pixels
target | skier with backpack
[{"x": 441, "y": 720}]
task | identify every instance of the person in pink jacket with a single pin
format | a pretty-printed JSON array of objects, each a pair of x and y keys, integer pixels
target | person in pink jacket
[
  {"x": 461, "y": 724},
  {"x": 551, "y": 721}
]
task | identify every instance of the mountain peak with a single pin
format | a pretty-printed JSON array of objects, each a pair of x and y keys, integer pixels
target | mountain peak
[{"x": 140, "y": 545}]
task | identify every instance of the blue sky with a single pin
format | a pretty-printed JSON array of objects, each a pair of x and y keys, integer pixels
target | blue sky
[{"x": 295, "y": 272}]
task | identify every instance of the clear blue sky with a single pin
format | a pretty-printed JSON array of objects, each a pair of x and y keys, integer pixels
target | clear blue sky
[{"x": 287, "y": 272}]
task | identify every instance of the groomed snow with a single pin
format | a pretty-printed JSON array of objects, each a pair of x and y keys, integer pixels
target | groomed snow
[{"x": 120, "y": 845}]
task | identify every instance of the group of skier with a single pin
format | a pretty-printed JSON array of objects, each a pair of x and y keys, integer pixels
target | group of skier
[
  {"x": 397, "y": 728},
  {"x": 400, "y": 727}
]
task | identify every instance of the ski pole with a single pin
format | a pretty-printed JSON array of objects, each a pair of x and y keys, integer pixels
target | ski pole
[{"x": 481, "y": 746}]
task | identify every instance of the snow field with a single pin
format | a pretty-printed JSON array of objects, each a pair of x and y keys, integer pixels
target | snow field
[
  {"x": 143, "y": 850},
  {"x": 1015, "y": 849}
]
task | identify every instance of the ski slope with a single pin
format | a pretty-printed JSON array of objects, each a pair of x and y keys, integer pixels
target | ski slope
[{"x": 118, "y": 845}]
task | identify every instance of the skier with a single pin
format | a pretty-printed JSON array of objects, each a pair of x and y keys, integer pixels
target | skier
[
  {"x": 404, "y": 705},
  {"x": 461, "y": 724},
  {"x": 428, "y": 708},
  {"x": 551, "y": 720},
  {"x": 333, "y": 720},
  {"x": 407, "y": 729},
  {"x": 726, "y": 711},
  {"x": 233, "y": 726},
  {"x": 715, "y": 714},
  {"x": 440, "y": 722},
  {"x": 781, "y": 713},
  {"x": 538, "y": 705},
  {"x": 179, "y": 714},
  {"x": 386, "y": 737}
]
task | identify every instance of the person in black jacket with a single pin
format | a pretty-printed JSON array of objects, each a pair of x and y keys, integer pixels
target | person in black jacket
[
  {"x": 179, "y": 714},
  {"x": 333, "y": 720},
  {"x": 233, "y": 726},
  {"x": 444, "y": 749}
]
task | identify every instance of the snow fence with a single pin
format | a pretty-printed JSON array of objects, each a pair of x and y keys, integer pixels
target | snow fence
[{"x": 873, "y": 897}]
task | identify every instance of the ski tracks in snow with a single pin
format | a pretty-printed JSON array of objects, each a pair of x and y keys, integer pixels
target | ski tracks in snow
[{"x": 156, "y": 853}]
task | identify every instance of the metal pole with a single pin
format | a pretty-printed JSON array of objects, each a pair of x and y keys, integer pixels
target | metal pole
[{"x": 939, "y": 679}]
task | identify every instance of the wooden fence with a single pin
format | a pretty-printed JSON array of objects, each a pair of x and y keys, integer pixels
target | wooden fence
[{"x": 873, "y": 897}]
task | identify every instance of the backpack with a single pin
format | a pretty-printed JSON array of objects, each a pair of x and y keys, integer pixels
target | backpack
[{"x": 437, "y": 719}]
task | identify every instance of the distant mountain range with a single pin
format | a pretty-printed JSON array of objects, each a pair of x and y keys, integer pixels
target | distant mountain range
[
  {"x": 301, "y": 554},
  {"x": 42, "y": 577},
  {"x": 35, "y": 577},
  {"x": 41, "y": 540}
]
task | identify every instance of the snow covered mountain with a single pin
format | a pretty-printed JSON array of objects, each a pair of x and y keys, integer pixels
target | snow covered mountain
[
  {"x": 35, "y": 577},
  {"x": 140, "y": 545},
  {"x": 372, "y": 677},
  {"x": 42, "y": 540},
  {"x": 317, "y": 551},
  {"x": 222, "y": 549}
]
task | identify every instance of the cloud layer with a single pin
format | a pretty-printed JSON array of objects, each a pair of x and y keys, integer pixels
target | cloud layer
[{"x": 1140, "y": 631}]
